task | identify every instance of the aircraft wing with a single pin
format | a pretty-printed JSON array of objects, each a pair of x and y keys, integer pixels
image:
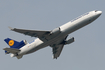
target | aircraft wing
[
  {"x": 32, "y": 33},
  {"x": 57, "y": 50},
  {"x": 12, "y": 50}
]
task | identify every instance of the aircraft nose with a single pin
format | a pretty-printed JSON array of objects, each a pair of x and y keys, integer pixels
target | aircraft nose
[{"x": 99, "y": 12}]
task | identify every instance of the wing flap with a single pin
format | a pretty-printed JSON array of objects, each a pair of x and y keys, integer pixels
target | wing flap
[{"x": 11, "y": 50}]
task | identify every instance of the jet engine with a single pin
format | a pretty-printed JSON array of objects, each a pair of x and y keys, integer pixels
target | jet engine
[
  {"x": 55, "y": 31},
  {"x": 71, "y": 40}
]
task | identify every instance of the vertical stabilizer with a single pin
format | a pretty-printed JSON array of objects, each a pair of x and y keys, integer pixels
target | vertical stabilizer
[{"x": 14, "y": 44}]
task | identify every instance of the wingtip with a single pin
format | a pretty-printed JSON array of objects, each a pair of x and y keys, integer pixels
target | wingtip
[
  {"x": 54, "y": 57},
  {"x": 10, "y": 28},
  {"x": 4, "y": 48}
]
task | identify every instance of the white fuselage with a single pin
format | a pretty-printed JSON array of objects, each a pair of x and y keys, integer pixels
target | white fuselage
[{"x": 66, "y": 29}]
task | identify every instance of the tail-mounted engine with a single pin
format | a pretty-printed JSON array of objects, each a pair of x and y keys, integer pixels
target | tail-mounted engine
[{"x": 14, "y": 44}]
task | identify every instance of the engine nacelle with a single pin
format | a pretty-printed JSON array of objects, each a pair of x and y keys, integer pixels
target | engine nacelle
[
  {"x": 71, "y": 40},
  {"x": 22, "y": 43},
  {"x": 12, "y": 55},
  {"x": 55, "y": 31},
  {"x": 25, "y": 42}
]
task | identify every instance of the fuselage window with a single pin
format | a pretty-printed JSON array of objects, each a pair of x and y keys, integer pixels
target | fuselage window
[{"x": 79, "y": 17}]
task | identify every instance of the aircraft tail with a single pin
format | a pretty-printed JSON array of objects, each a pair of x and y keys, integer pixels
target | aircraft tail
[{"x": 14, "y": 44}]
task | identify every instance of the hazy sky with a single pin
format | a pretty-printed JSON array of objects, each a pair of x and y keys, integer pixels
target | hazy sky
[{"x": 86, "y": 53}]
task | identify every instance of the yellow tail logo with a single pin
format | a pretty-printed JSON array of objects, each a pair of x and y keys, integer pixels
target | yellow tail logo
[{"x": 11, "y": 43}]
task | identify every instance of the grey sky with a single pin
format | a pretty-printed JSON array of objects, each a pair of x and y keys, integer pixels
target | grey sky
[{"x": 86, "y": 53}]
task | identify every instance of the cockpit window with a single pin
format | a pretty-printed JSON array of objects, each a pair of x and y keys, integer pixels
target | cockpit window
[{"x": 96, "y": 10}]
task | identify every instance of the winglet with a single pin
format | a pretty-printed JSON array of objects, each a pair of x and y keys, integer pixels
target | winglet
[{"x": 11, "y": 28}]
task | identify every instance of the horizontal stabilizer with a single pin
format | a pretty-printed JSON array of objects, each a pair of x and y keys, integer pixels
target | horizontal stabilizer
[{"x": 11, "y": 50}]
